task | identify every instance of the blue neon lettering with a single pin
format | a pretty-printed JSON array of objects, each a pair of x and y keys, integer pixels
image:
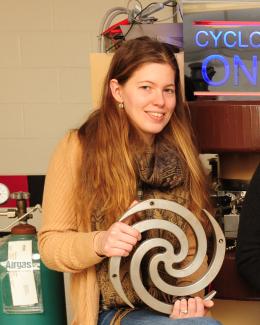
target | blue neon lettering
[
  {"x": 239, "y": 63},
  {"x": 205, "y": 74},
  {"x": 215, "y": 37},
  {"x": 240, "y": 42},
  {"x": 231, "y": 39},
  {"x": 197, "y": 41},
  {"x": 230, "y": 32},
  {"x": 251, "y": 40}
]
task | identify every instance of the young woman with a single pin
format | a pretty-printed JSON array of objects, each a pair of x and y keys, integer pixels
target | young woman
[{"x": 138, "y": 141}]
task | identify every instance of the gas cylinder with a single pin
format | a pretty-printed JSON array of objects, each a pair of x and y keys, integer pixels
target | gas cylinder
[{"x": 31, "y": 294}]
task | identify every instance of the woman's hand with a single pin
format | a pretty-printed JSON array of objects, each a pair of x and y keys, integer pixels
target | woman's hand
[
  {"x": 193, "y": 307},
  {"x": 118, "y": 240}
]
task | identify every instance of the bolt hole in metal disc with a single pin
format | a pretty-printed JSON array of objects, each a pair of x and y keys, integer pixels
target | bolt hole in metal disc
[{"x": 168, "y": 257}]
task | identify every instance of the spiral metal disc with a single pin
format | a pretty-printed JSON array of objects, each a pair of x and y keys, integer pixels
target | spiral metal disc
[{"x": 168, "y": 257}]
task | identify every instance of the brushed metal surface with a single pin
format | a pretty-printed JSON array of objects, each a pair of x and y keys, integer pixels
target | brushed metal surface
[{"x": 168, "y": 257}]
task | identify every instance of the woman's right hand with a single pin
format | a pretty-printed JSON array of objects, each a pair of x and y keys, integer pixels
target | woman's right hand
[
  {"x": 118, "y": 240},
  {"x": 192, "y": 307}
]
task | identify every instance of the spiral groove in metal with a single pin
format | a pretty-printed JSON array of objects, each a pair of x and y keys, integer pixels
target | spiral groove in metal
[{"x": 168, "y": 257}]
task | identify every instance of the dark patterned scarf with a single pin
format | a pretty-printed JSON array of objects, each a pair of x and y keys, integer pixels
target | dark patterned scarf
[{"x": 161, "y": 174}]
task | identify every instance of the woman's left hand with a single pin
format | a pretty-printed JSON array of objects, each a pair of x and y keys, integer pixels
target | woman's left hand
[{"x": 192, "y": 307}]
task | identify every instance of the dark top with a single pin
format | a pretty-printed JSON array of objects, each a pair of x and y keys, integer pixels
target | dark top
[{"x": 248, "y": 248}]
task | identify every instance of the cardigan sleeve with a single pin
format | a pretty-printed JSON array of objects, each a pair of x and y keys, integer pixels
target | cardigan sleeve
[
  {"x": 62, "y": 246},
  {"x": 248, "y": 241}
]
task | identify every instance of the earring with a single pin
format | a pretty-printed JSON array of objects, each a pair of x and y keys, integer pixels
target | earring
[{"x": 121, "y": 105}]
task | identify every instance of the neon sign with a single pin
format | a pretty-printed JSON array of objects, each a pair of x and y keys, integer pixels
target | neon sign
[
  {"x": 223, "y": 42},
  {"x": 238, "y": 65},
  {"x": 230, "y": 39}
]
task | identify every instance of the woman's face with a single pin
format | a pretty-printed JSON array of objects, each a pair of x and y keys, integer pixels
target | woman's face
[{"x": 149, "y": 98}]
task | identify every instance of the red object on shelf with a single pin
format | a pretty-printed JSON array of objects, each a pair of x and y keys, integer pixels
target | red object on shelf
[{"x": 114, "y": 30}]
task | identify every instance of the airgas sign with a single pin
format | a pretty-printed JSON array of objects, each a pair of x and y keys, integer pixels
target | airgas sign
[{"x": 19, "y": 266}]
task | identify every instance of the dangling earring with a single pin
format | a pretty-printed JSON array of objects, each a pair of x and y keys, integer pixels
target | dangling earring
[{"x": 121, "y": 105}]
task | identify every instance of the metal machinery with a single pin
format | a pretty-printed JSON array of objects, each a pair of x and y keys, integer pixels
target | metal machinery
[
  {"x": 228, "y": 196},
  {"x": 110, "y": 36}
]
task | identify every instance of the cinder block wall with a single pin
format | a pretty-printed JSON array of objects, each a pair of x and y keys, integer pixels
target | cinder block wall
[{"x": 44, "y": 75}]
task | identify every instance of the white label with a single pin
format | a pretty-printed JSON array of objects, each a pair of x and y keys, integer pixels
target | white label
[
  {"x": 20, "y": 250},
  {"x": 19, "y": 266}
]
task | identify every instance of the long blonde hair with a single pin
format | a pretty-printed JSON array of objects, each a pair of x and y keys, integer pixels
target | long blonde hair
[{"x": 107, "y": 179}]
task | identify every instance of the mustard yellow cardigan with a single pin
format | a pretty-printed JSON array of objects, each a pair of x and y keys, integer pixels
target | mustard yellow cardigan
[{"x": 64, "y": 244}]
